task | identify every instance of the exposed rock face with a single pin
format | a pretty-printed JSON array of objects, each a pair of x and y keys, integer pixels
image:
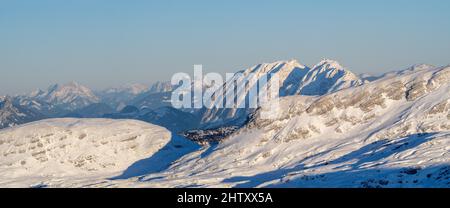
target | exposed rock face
[
  {"x": 211, "y": 135},
  {"x": 326, "y": 77}
]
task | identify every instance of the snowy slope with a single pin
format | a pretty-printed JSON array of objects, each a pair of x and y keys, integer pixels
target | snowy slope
[
  {"x": 41, "y": 106},
  {"x": 65, "y": 150},
  {"x": 393, "y": 132}
]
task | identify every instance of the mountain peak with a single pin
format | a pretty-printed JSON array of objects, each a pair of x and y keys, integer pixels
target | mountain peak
[
  {"x": 71, "y": 95},
  {"x": 329, "y": 63},
  {"x": 12, "y": 114}
]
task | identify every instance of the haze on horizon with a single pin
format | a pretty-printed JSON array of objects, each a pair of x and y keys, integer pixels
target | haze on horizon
[{"x": 105, "y": 43}]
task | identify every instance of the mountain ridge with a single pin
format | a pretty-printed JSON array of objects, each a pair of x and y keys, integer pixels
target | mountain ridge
[{"x": 325, "y": 77}]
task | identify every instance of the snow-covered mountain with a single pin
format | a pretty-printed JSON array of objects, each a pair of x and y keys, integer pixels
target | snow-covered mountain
[
  {"x": 76, "y": 100},
  {"x": 158, "y": 96},
  {"x": 160, "y": 87},
  {"x": 117, "y": 97},
  {"x": 70, "y": 96},
  {"x": 142, "y": 96},
  {"x": 12, "y": 114},
  {"x": 74, "y": 151},
  {"x": 393, "y": 132},
  {"x": 41, "y": 106},
  {"x": 295, "y": 79}
]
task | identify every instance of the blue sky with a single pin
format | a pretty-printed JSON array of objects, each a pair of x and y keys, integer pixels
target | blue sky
[{"x": 110, "y": 43}]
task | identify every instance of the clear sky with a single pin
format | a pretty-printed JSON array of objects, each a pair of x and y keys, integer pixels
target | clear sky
[{"x": 102, "y": 43}]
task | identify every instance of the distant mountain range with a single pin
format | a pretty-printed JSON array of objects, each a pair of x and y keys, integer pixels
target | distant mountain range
[{"x": 75, "y": 100}]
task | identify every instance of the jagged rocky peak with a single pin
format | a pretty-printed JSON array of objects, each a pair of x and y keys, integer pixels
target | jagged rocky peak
[
  {"x": 159, "y": 87},
  {"x": 75, "y": 87},
  {"x": 70, "y": 96},
  {"x": 72, "y": 88}
]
